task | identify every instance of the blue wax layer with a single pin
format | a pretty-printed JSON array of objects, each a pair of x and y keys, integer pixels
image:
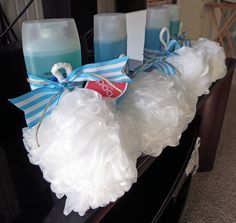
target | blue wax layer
[
  {"x": 152, "y": 39},
  {"x": 41, "y": 64},
  {"x": 174, "y": 28},
  {"x": 109, "y": 51}
]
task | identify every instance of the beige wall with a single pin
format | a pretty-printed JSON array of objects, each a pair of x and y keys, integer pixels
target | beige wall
[{"x": 197, "y": 20}]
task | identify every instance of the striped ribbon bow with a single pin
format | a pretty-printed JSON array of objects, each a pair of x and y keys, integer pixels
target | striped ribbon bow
[
  {"x": 156, "y": 59},
  {"x": 183, "y": 40},
  {"x": 46, "y": 93}
]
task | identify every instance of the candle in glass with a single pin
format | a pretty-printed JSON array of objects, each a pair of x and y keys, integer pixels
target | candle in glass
[
  {"x": 50, "y": 41},
  {"x": 110, "y": 36},
  {"x": 156, "y": 19},
  {"x": 174, "y": 13}
]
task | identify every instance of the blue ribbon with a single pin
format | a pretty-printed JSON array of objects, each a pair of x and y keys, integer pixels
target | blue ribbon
[
  {"x": 154, "y": 59},
  {"x": 183, "y": 40},
  {"x": 46, "y": 94},
  {"x": 173, "y": 45}
]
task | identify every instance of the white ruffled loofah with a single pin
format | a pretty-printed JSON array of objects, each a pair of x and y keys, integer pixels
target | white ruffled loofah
[
  {"x": 88, "y": 150},
  {"x": 81, "y": 152},
  {"x": 194, "y": 69},
  {"x": 217, "y": 57},
  {"x": 161, "y": 108}
]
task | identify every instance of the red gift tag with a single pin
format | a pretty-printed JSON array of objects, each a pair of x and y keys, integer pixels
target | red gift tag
[{"x": 106, "y": 90}]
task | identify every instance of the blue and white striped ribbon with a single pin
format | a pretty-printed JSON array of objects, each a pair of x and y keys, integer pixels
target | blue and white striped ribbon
[
  {"x": 113, "y": 70},
  {"x": 171, "y": 47},
  {"x": 46, "y": 94},
  {"x": 159, "y": 64},
  {"x": 183, "y": 40},
  {"x": 164, "y": 67},
  {"x": 35, "y": 102},
  {"x": 154, "y": 59},
  {"x": 168, "y": 46}
]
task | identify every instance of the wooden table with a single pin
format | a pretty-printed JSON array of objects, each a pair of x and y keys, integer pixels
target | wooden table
[
  {"x": 226, "y": 22},
  {"x": 212, "y": 108}
]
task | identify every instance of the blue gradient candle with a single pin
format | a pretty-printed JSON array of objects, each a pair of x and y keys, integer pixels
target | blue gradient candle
[
  {"x": 156, "y": 19},
  {"x": 109, "y": 50},
  {"x": 50, "y": 41},
  {"x": 110, "y": 36},
  {"x": 174, "y": 13},
  {"x": 40, "y": 63}
]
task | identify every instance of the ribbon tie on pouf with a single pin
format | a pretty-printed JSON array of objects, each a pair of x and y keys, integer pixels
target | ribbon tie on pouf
[
  {"x": 168, "y": 46},
  {"x": 156, "y": 59},
  {"x": 46, "y": 93},
  {"x": 183, "y": 40}
]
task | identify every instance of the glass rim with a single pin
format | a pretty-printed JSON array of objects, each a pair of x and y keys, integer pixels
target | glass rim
[
  {"x": 112, "y": 14},
  {"x": 171, "y": 6},
  {"x": 156, "y": 8},
  {"x": 39, "y": 21}
]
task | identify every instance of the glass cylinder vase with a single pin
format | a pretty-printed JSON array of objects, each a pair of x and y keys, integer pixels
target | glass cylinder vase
[
  {"x": 110, "y": 36},
  {"x": 50, "y": 41}
]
